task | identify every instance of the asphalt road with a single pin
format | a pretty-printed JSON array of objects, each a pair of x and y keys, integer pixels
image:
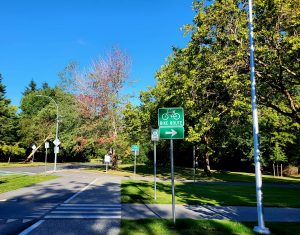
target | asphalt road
[
  {"x": 77, "y": 203},
  {"x": 49, "y": 167},
  {"x": 81, "y": 202}
]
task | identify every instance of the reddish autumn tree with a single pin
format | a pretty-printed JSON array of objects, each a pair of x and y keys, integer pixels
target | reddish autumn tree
[{"x": 97, "y": 91}]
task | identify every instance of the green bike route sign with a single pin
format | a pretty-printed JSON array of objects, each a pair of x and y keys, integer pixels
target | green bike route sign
[
  {"x": 170, "y": 117},
  {"x": 171, "y": 122}
]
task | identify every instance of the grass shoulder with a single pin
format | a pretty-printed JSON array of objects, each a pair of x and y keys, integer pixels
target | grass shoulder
[
  {"x": 134, "y": 191},
  {"x": 182, "y": 173},
  {"x": 206, "y": 227},
  {"x": 20, "y": 164},
  {"x": 12, "y": 182}
]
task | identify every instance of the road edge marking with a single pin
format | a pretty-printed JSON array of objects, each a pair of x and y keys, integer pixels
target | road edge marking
[
  {"x": 83, "y": 189},
  {"x": 32, "y": 227}
]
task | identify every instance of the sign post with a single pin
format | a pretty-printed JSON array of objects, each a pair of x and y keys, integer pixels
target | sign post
[
  {"x": 46, "y": 147},
  {"x": 171, "y": 126},
  {"x": 33, "y": 151},
  {"x": 106, "y": 161},
  {"x": 56, "y": 150},
  {"x": 154, "y": 138},
  {"x": 135, "y": 149},
  {"x": 194, "y": 162}
]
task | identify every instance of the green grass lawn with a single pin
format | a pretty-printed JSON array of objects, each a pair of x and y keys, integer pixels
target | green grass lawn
[
  {"x": 12, "y": 182},
  {"x": 187, "y": 174},
  {"x": 205, "y": 227},
  {"x": 211, "y": 194},
  {"x": 20, "y": 164}
]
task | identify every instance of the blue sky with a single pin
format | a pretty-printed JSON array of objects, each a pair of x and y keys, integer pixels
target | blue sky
[{"x": 38, "y": 38}]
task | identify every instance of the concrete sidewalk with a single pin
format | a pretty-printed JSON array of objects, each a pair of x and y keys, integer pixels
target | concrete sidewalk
[{"x": 237, "y": 213}]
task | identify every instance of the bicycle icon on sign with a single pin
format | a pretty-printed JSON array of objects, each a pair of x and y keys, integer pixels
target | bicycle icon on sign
[{"x": 171, "y": 114}]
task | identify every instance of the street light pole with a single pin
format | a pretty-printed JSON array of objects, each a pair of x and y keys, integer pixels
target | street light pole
[
  {"x": 56, "y": 134},
  {"x": 261, "y": 225}
]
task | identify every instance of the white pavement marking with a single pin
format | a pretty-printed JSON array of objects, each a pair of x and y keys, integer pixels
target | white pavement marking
[
  {"x": 83, "y": 217},
  {"x": 26, "y": 220},
  {"x": 8, "y": 200},
  {"x": 102, "y": 205},
  {"x": 11, "y": 220},
  {"x": 89, "y": 212},
  {"x": 86, "y": 211},
  {"x": 32, "y": 227},
  {"x": 76, "y": 194}
]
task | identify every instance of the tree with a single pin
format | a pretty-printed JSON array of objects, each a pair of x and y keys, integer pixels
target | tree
[
  {"x": 9, "y": 128},
  {"x": 45, "y": 86},
  {"x": 97, "y": 91},
  {"x": 210, "y": 78},
  {"x": 38, "y": 121},
  {"x": 31, "y": 87}
]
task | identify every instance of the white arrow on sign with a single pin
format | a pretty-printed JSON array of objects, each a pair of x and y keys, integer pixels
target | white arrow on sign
[{"x": 172, "y": 132}]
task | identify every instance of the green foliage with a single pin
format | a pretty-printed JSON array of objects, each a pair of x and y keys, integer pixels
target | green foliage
[
  {"x": 9, "y": 127},
  {"x": 209, "y": 78},
  {"x": 32, "y": 87},
  {"x": 38, "y": 120}
]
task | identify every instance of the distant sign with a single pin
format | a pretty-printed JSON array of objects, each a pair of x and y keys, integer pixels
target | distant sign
[
  {"x": 56, "y": 149},
  {"x": 33, "y": 147},
  {"x": 135, "y": 147},
  {"x": 46, "y": 145},
  {"x": 107, "y": 158},
  {"x": 56, "y": 142},
  {"x": 155, "y": 135}
]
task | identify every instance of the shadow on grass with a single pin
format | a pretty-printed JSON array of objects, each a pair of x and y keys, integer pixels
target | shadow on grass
[
  {"x": 207, "y": 194},
  {"x": 206, "y": 227},
  {"x": 184, "y": 226}
]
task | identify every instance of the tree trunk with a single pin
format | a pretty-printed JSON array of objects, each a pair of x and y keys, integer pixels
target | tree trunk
[
  {"x": 206, "y": 157},
  {"x": 277, "y": 169},
  {"x": 114, "y": 160},
  {"x": 274, "y": 172},
  {"x": 8, "y": 159},
  {"x": 281, "y": 169}
]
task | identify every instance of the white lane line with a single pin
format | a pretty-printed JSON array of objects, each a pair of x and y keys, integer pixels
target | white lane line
[
  {"x": 8, "y": 200},
  {"x": 76, "y": 194},
  {"x": 32, "y": 227},
  {"x": 82, "y": 217}
]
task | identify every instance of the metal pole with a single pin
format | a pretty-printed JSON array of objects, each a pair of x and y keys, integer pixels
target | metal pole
[
  {"x": 134, "y": 162},
  {"x": 33, "y": 156},
  {"x": 46, "y": 160},
  {"x": 154, "y": 170},
  {"x": 261, "y": 226},
  {"x": 194, "y": 161},
  {"x": 106, "y": 167},
  {"x": 172, "y": 177},
  {"x": 56, "y": 135}
]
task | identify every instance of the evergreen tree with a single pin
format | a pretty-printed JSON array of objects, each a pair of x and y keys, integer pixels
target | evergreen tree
[
  {"x": 9, "y": 127},
  {"x": 31, "y": 87}
]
